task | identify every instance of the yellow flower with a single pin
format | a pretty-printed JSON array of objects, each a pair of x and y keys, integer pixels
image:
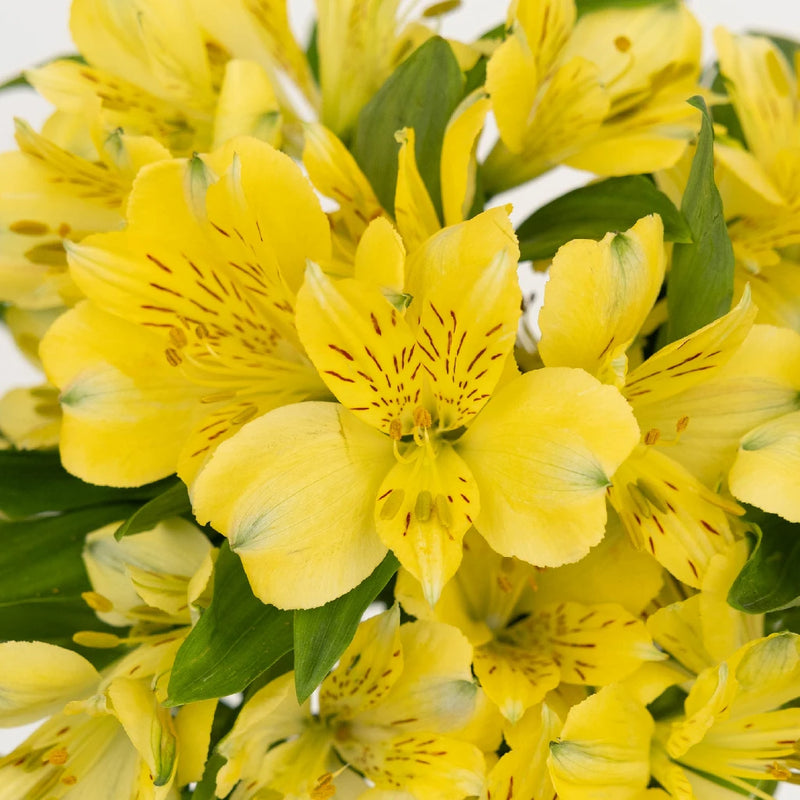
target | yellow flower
[
  {"x": 526, "y": 646},
  {"x": 316, "y": 480},
  {"x": 393, "y": 710},
  {"x": 734, "y": 727},
  {"x": 153, "y": 71},
  {"x": 606, "y": 93},
  {"x": 597, "y": 299},
  {"x": 189, "y": 332}
]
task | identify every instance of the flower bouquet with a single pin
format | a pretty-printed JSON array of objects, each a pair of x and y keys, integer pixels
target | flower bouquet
[{"x": 313, "y": 503}]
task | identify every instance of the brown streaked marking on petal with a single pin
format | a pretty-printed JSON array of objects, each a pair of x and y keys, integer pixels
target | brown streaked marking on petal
[
  {"x": 160, "y": 264},
  {"x": 692, "y": 567},
  {"x": 166, "y": 289},
  {"x": 685, "y": 361},
  {"x": 347, "y": 355},
  {"x": 710, "y": 528},
  {"x": 375, "y": 324},
  {"x": 29, "y": 227},
  {"x": 220, "y": 230},
  {"x": 438, "y": 315},
  {"x": 474, "y": 360}
]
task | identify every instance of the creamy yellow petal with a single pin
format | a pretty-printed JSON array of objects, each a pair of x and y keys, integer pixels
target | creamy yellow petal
[
  {"x": 425, "y": 505},
  {"x": 776, "y": 292},
  {"x": 362, "y": 348},
  {"x": 459, "y": 164},
  {"x": 380, "y": 257},
  {"x": 247, "y": 105},
  {"x": 413, "y": 208},
  {"x": 302, "y": 515},
  {"x": 368, "y": 669},
  {"x": 512, "y": 81},
  {"x": 603, "y": 750},
  {"x": 37, "y": 679},
  {"x": 766, "y": 472},
  {"x": 547, "y": 27},
  {"x": 677, "y": 628},
  {"x": 667, "y": 511},
  {"x": 148, "y": 725},
  {"x": 193, "y": 732},
  {"x": 702, "y": 426},
  {"x": 126, "y": 411},
  {"x": 513, "y": 678},
  {"x": 598, "y": 297},
  {"x": 691, "y": 360},
  {"x": 31, "y": 418},
  {"x": 542, "y": 452}
]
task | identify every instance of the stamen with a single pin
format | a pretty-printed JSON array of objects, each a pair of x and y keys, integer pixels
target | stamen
[
  {"x": 682, "y": 424},
  {"x": 652, "y": 436},
  {"x": 443, "y": 511},
  {"x": 423, "y": 506},
  {"x": 97, "y": 602},
  {"x": 393, "y": 503},
  {"x": 422, "y": 418},
  {"x": 173, "y": 357},
  {"x": 396, "y": 429},
  {"x": 97, "y": 640}
]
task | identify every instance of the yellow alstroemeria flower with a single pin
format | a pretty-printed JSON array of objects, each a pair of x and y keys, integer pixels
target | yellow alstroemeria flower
[
  {"x": 335, "y": 173},
  {"x": 111, "y": 733},
  {"x": 525, "y": 647},
  {"x": 603, "y": 750},
  {"x": 189, "y": 332},
  {"x": 394, "y": 710},
  {"x": 153, "y": 71},
  {"x": 606, "y": 93},
  {"x": 598, "y": 297},
  {"x": 734, "y": 727},
  {"x": 317, "y": 480}
]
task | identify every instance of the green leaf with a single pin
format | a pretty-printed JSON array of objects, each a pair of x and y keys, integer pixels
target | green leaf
[
  {"x": 700, "y": 285},
  {"x": 20, "y": 80},
  {"x": 236, "y": 639},
  {"x": 33, "y": 481},
  {"x": 172, "y": 503},
  {"x": 40, "y": 559},
  {"x": 206, "y": 788},
  {"x": 592, "y": 211},
  {"x": 587, "y": 6},
  {"x": 768, "y": 581},
  {"x": 422, "y": 94},
  {"x": 322, "y": 634}
]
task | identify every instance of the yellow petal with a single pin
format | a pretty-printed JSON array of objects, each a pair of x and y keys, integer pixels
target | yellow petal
[
  {"x": 361, "y": 346},
  {"x": 193, "y": 731},
  {"x": 380, "y": 257},
  {"x": 542, "y": 452},
  {"x": 31, "y": 418},
  {"x": 513, "y": 678},
  {"x": 125, "y": 410},
  {"x": 465, "y": 331},
  {"x": 425, "y": 505},
  {"x": 776, "y": 292},
  {"x": 459, "y": 165},
  {"x": 247, "y": 105},
  {"x": 547, "y": 27},
  {"x": 766, "y": 472},
  {"x": 667, "y": 511},
  {"x": 148, "y": 725},
  {"x": 302, "y": 515},
  {"x": 598, "y": 297},
  {"x": 691, "y": 360},
  {"x": 416, "y": 217},
  {"x": 368, "y": 669},
  {"x": 603, "y": 750},
  {"x": 37, "y": 679}
]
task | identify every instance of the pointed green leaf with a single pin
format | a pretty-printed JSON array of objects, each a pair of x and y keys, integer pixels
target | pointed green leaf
[
  {"x": 700, "y": 286},
  {"x": 174, "y": 502},
  {"x": 322, "y": 634},
  {"x": 237, "y": 638},
  {"x": 421, "y": 93},
  {"x": 592, "y": 211},
  {"x": 768, "y": 581},
  {"x": 33, "y": 481},
  {"x": 587, "y": 6}
]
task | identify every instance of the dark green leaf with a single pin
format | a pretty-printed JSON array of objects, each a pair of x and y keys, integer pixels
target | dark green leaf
[
  {"x": 40, "y": 559},
  {"x": 206, "y": 788},
  {"x": 592, "y": 211},
  {"x": 312, "y": 52},
  {"x": 700, "y": 286},
  {"x": 668, "y": 704},
  {"x": 768, "y": 581},
  {"x": 421, "y": 93},
  {"x": 587, "y": 6},
  {"x": 322, "y": 634},
  {"x": 236, "y": 639},
  {"x": 32, "y": 481},
  {"x": 172, "y": 503},
  {"x": 725, "y": 113}
]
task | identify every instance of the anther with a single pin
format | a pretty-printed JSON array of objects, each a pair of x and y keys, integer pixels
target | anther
[
  {"x": 178, "y": 337},
  {"x": 173, "y": 357},
  {"x": 422, "y": 418},
  {"x": 58, "y": 757},
  {"x": 652, "y": 436},
  {"x": 392, "y": 504},
  {"x": 682, "y": 424},
  {"x": 97, "y": 602},
  {"x": 422, "y": 508},
  {"x": 443, "y": 511},
  {"x": 396, "y": 429}
]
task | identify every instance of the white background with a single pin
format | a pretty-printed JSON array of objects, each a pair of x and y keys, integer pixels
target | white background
[{"x": 33, "y": 31}]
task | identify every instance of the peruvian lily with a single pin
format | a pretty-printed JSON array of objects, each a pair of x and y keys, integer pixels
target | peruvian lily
[
  {"x": 395, "y": 710},
  {"x": 527, "y": 643},
  {"x": 662, "y": 503},
  {"x": 606, "y": 93},
  {"x": 189, "y": 329},
  {"x": 417, "y": 450}
]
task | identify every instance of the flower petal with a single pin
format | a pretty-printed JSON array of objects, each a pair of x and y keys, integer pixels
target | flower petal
[
  {"x": 301, "y": 516},
  {"x": 542, "y": 452},
  {"x": 416, "y": 217}
]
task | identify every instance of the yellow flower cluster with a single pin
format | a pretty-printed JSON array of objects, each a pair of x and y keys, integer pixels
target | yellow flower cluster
[{"x": 279, "y": 275}]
